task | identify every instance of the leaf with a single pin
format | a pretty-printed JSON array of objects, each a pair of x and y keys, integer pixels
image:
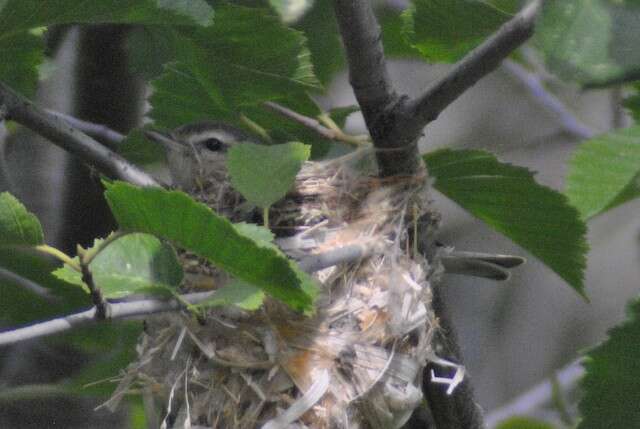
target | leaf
[
  {"x": 237, "y": 293},
  {"x": 445, "y": 30},
  {"x": 175, "y": 216},
  {"x": 291, "y": 10},
  {"x": 19, "y": 305},
  {"x": 22, "y": 15},
  {"x": 17, "y": 17},
  {"x": 524, "y": 423},
  {"x": 110, "y": 347},
  {"x": 138, "y": 149},
  {"x": 246, "y": 58},
  {"x": 282, "y": 129},
  {"x": 612, "y": 380},
  {"x": 149, "y": 48},
  {"x": 323, "y": 39},
  {"x": 130, "y": 264},
  {"x": 26, "y": 53},
  {"x": 264, "y": 174},
  {"x": 603, "y": 172},
  {"x": 394, "y": 40},
  {"x": 259, "y": 234},
  {"x": 508, "y": 199},
  {"x": 592, "y": 42},
  {"x": 632, "y": 102},
  {"x": 18, "y": 226}
]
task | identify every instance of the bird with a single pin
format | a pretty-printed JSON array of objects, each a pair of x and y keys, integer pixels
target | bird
[{"x": 196, "y": 158}]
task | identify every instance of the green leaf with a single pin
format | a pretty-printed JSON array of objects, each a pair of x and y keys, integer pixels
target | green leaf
[
  {"x": 110, "y": 348},
  {"x": 592, "y": 42},
  {"x": 612, "y": 381},
  {"x": 445, "y": 30},
  {"x": 17, "y": 17},
  {"x": 17, "y": 225},
  {"x": 177, "y": 217},
  {"x": 130, "y": 264},
  {"x": 323, "y": 39},
  {"x": 22, "y": 15},
  {"x": 524, "y": 423},
  {"x": 396, "y": 44},
  {"x": 246, "y": 58},
  {"x": 508, "y": 199},
  {"x": 291, "y": 10},
  {"x": 26, "y": 53},
  {"x": 603, "y": 172},
  {"x": 149, "y": 48},
  {"x": 259, "y": 234},
  {"x": 237, "y": 293},
  {"x": 19, "y": 305},
  {"x": 138, "y": 149},
  {"x": 632, "y": 102},
  {"x": 282, "y": 129},
  {"x": 264, "y": 174}
]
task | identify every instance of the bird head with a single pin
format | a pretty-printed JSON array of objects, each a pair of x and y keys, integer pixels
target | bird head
[{"x": 197, "y": 152}]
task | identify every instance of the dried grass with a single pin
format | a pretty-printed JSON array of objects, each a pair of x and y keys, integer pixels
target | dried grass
[{"x": 357, "y": 363}]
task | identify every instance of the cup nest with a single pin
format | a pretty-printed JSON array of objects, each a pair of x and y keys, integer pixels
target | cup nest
[{"x": 356, "y": 363}]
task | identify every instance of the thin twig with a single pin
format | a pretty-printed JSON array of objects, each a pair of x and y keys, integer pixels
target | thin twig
[
  {"x": 538, "y": 396},
  {"x": 314, "y": 125},
  {"x": 477, "y": 64},
  {"x": 308, "y": 122},
  {"x": 61, "y": 133},
  {"x": 29, "y": 285},
  {"x": 94, "y": 291},
  {"x": 121, "y": 310},
  {"x": 116, "y": 311},
  {"x": 111, "y": 138},
  {"x": 569, "y": 122}
]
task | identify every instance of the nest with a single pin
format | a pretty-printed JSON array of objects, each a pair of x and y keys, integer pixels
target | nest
[{"x": 356, "y": 363}]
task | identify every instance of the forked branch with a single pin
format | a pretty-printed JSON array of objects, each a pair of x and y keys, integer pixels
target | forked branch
[{"x": 396, "y": 122}]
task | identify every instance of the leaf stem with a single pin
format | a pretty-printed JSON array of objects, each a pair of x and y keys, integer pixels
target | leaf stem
[
  {"x": 324, "y": 126},
  {"x": 255, "y": 127},
  {"x": 265, "y": 216},
  {"x": 59, "y": 255}
]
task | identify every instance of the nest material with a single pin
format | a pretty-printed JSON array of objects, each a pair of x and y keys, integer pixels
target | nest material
[{"x": 357, "y": 363}]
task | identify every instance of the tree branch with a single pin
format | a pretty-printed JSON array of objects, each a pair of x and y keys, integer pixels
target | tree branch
[
  {"x": 62, "y": 134},
  {"x": 475, "y": 65},
  {"x": 104, "y": 310},
  {"x": 458, "y": 410},
  {"x": 569, "y": 122},
  {"x": 396, "y": 146},
  {"x": 538, "y": 396},
  {"x": 367, "y": 66},
  {"x": 116, "y": 311},
  {"x": 100, "y": 132}
]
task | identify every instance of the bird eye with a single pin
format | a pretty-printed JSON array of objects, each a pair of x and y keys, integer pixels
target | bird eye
[{"x": 214, "y": 145}]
